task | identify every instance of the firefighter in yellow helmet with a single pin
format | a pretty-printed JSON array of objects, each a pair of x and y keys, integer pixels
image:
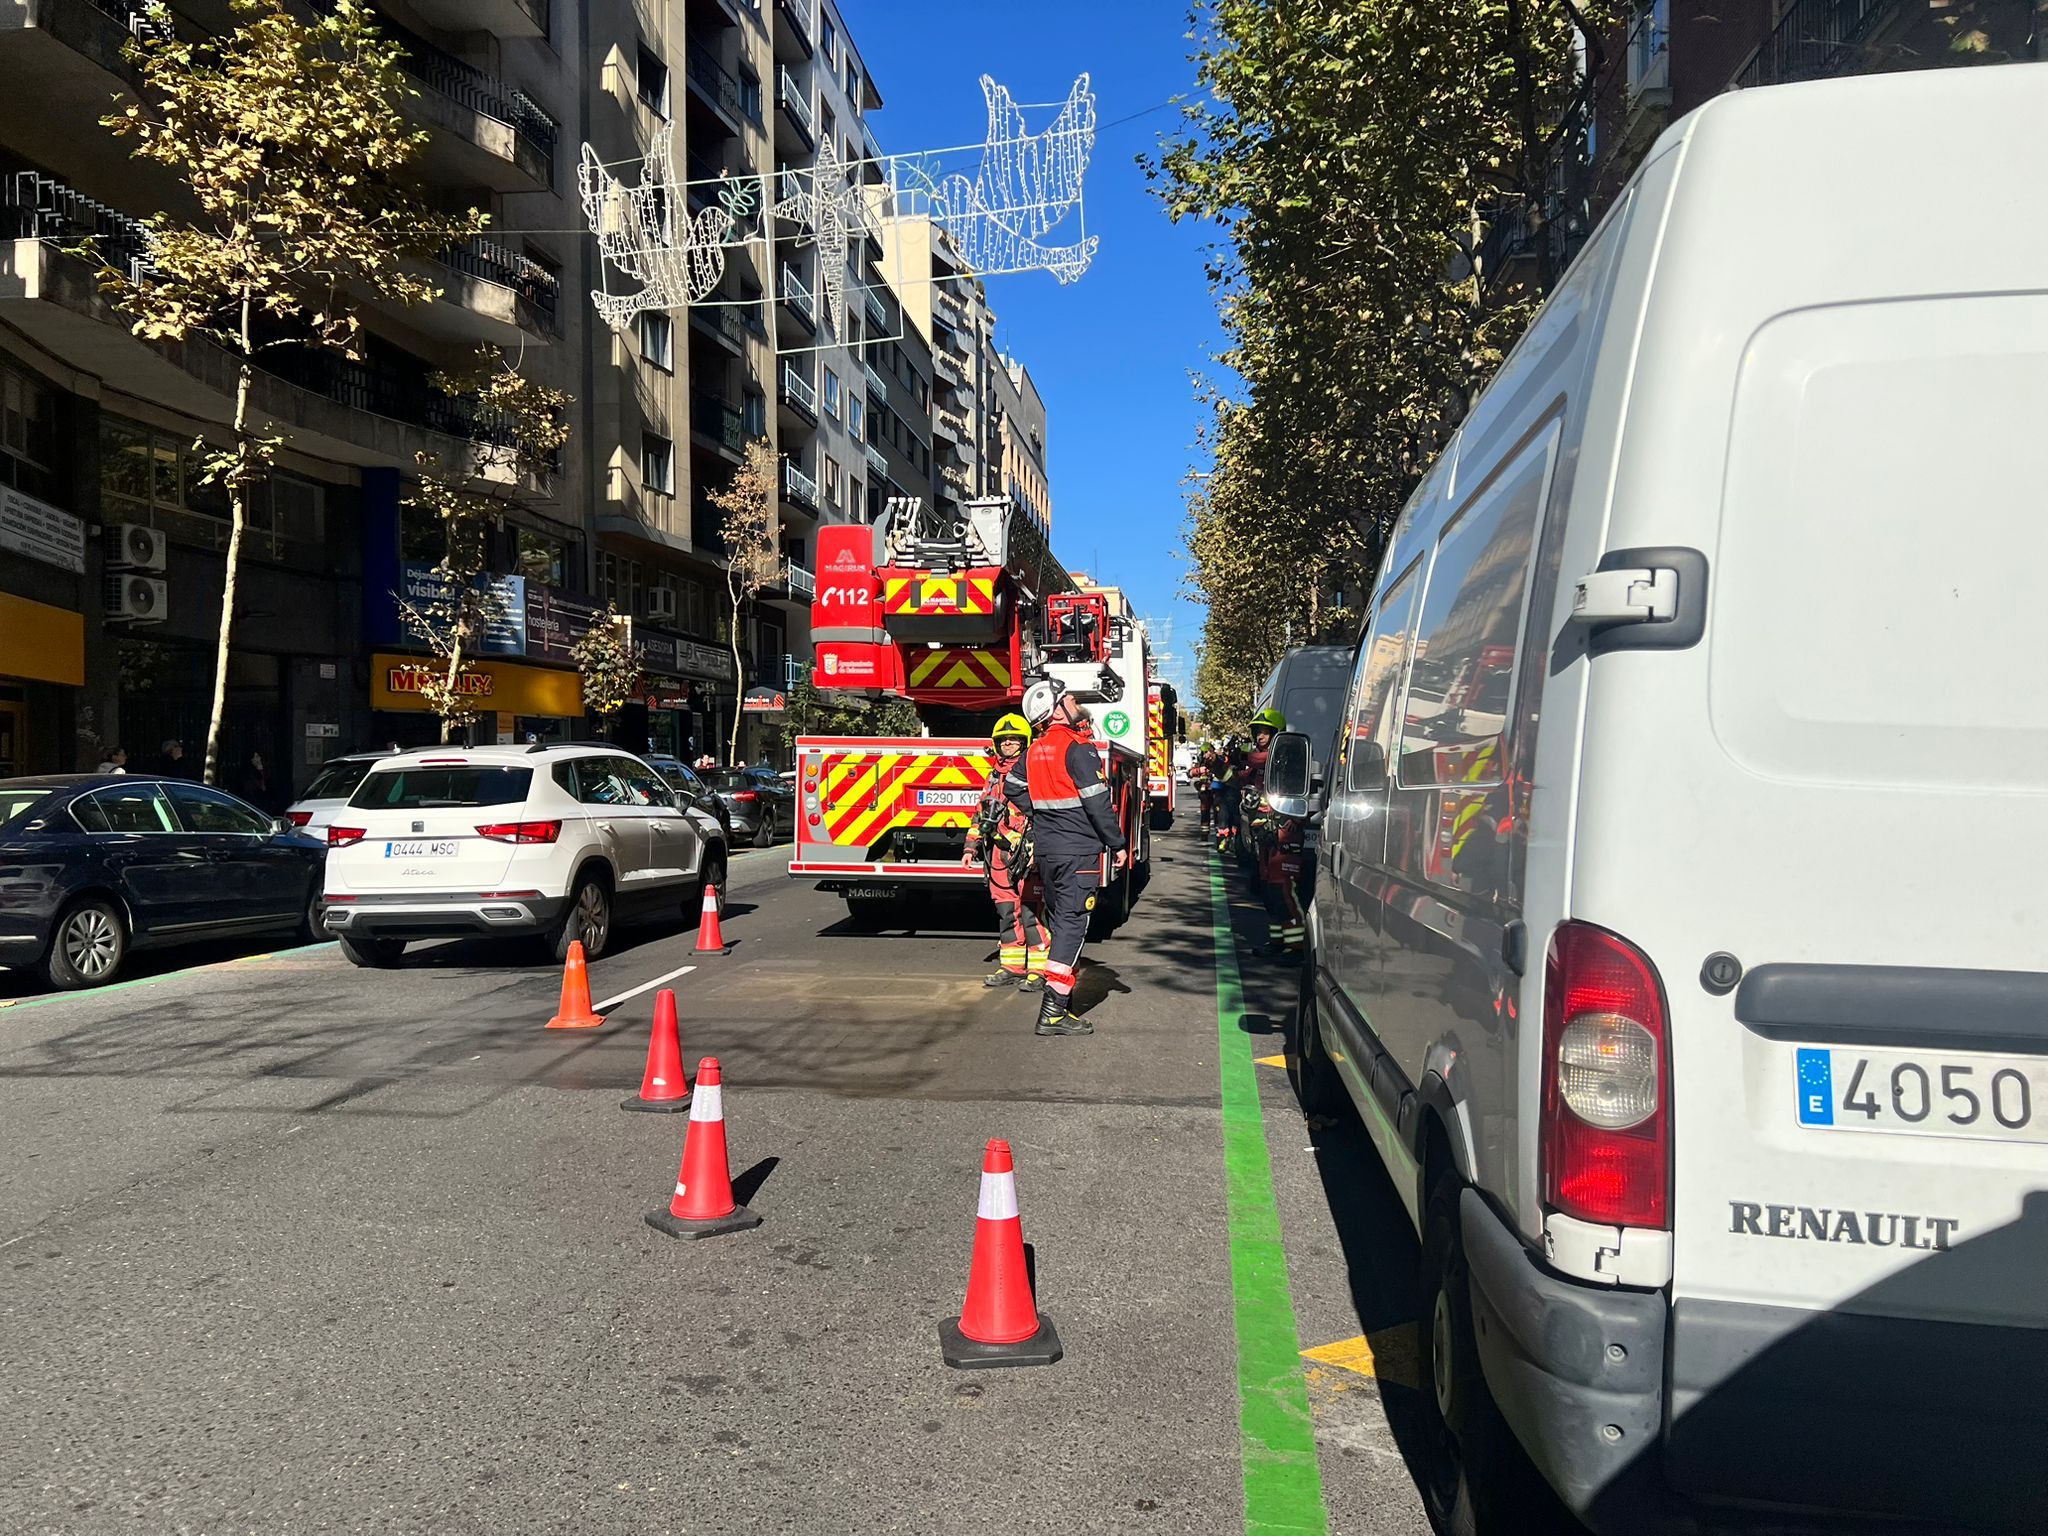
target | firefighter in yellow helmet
[
  {"x": 1001, "y": 839},
  {"x": 1277, "y": 848}
]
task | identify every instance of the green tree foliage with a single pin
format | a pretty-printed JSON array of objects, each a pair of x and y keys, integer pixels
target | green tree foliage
[
  {"x": 611, "y": 665},
  {"x": 1352, "y": 155},
  {"x": 816, "y": 712},
  {"x": 290, "y": 138}
]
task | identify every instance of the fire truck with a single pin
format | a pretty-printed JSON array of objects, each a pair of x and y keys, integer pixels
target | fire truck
[
  {"x": 957, "y": 616},
  {"x": 1162, "y": 728}
]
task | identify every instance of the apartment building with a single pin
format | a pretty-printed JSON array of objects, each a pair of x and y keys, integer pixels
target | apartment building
[
  {"x": 898, "y": 374},
  {"x": 112, "y": 548},
  {"x": 947, "y": 306},
  {"x": 1016, "y": 440}
]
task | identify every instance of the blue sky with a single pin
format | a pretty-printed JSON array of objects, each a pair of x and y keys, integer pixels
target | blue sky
[{"x": 1112, "y": 353}]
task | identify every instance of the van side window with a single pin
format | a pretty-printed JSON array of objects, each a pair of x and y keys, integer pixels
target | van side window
[
  {"x": 1380, "y": 661},
  {"x": 1465, "y": 648}
]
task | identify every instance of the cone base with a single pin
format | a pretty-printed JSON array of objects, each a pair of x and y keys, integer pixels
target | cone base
[
  {"x": 715, "y": 949},
  {"x": 558, "y": 1022},
  {"x": 965, "y": 1354},
  {"x": 655, "y": 1106},
  {"x": 738, "y": 1219}
]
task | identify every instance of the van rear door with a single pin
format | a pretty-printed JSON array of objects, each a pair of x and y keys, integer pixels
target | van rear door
[{"x": 1827, "y": 825}]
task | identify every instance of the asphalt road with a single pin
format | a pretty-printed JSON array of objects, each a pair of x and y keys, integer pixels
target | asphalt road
[{"x": 292, "y": 1247}]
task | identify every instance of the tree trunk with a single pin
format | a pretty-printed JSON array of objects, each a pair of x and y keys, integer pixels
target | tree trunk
[
  {"x": 238, "y": 517},
  {"x": 454, "y": 671},
  {"x": 739, "y": 688}
]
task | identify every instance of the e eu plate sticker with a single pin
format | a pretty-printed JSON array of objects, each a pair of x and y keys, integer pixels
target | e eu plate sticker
[{"x": 1816, "y": 1071}]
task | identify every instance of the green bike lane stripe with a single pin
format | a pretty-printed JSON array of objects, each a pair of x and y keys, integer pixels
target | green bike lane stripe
[{"x": 1283, "y": 1486}]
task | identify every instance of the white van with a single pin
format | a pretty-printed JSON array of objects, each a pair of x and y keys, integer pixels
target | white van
[{"x": 1679, "y": 926}]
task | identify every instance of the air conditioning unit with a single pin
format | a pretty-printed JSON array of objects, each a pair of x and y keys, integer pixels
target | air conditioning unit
[
  {"x": 661, "y": 603},
  {"x": 132, "y": 547},
  {"x": 137, "y": 599}
]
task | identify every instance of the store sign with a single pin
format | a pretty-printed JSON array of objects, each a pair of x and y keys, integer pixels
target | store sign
[
  {"x": 764, "y": 701},
  {"x": 422, "y": 587},
  {"x": 475, "y": 685},
  {"x": 674, "y": 656},
  {"x": 40, "y": 531},
  {"x": 555, "y": 621}
]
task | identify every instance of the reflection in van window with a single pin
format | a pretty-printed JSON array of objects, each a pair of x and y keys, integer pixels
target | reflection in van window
[
  {"x": 1457, "y": 699},
  {"x": 1379, "y": 668}
]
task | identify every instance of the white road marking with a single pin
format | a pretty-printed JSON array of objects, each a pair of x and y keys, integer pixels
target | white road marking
[{"x": 646, "y": 986}]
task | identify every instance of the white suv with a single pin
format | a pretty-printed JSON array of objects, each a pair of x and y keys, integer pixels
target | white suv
[{"x": 562, "y": 842}]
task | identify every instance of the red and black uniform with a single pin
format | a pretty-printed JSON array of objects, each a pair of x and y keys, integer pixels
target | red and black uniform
[
  {"x": 1013, "y": 888},
  {"x": 1073, "y": 824},
  {"x": 1278, "y": 844},
  {"x": 1202, "y": 774}
]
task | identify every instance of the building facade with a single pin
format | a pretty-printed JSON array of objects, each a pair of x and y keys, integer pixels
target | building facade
[
  {"x": 947, "y": 306},
  {"x": 1016, "y": 440}
]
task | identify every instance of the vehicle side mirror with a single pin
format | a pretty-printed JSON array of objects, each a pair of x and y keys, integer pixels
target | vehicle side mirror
[
  {"x": 1288, "y": 772},
  {"x": 280, "y": 824}
]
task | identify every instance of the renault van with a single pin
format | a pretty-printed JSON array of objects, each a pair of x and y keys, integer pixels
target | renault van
[{"x": 1678, "y": 927}]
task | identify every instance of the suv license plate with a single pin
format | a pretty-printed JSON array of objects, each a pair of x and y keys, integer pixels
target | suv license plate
[
  {"x": 1923, "y": 1093},
  {"x": 441, "y": 848}
]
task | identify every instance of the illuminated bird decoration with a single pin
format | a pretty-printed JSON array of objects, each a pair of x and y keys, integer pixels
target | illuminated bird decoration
[{"x": 648, "y": 233}]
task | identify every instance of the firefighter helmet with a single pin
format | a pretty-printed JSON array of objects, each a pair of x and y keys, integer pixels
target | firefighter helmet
[
  {"x": 1271, "y": 718},
  {"x": 1012, "y": 727},
  {"x": 1041, "y": 699}
]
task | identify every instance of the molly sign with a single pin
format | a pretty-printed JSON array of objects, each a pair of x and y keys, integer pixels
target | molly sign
[{"x": 475, "y": 685}]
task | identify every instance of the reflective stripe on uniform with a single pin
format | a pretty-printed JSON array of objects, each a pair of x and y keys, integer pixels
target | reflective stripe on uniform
[
  {"x": 1087, "y": 790},
  {"x": 1066, "y": 803}
]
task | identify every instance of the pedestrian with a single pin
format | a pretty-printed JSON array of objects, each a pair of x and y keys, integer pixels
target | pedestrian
[
  {"x": 706, "y": 763},
  {"x": 1001, "y": 839},
  {"x": 171, "y": 764},
  {"x": 116, "y": 761},
  {"x": 256, "y": 782},
  {"x": 1073, "y": 826}
]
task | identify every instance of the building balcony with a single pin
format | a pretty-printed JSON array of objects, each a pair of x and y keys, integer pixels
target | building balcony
[
  {"x": 795, "y": 103},
  {"x": 947, "y": 307},
  {"x": 878, "y": 461},
  {"x": 715, "y": 86},
  {"x": 798, "y": 394},
  {"x": 718, "y": 425},
  {"x": 796, "y": 24},
  {"x": 798, "y": 298},
  {"x": 1815, "y": 39},
  {"x": 946, "y": 427},
  {"x": 491, "y": 135},
  {"x": 794, "y": 586},
  {"x": 496, "y": 295},
  {"x": 798, "y": 488},
  {"x": 948, "y": 370},
  {"x": 878, "y": 312},
  {"x": 1649, "y": 71},
  {"x": 502, "y": 18},
  {"x": 722, "y": 320},
  {"x": 877, "y": 385}
]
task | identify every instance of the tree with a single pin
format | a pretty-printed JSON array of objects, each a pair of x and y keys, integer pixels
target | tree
[
  {"x": 289, "y": 138},
  {"x": 747, "y": 528},
  {"x": 611, "y": 665},
  {"x": 522, "y": 426}
]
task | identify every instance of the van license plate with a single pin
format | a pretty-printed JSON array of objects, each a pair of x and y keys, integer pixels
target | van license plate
[
  {"x": 442, "y": 848},
  {"x": 1922, "y": 1093}
]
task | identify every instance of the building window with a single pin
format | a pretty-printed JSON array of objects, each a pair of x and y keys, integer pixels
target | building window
[
  {"x": 754, "y": 414},
  {"x": 852, "y": 82},
  {"x": 28, "y": 434},
  {"x": 855, "y": 410},
  {"x": 828, "y": 125},
  {"x": 832, "y": 392},
  {"x": 856, "y": 497},
  {"x": 618, "y": 581},
  {"x": 830, "y": 46},
  {"x": 658, "y": 464},
  {"x": 542, "y": 558},
  {"x": 651, "y": 80},
  {"x": 832, "y": 487},
  {"x": 750, "y": 95},
  {"x": 158, "y": 479},
  {"x": 658, "y": 340}
]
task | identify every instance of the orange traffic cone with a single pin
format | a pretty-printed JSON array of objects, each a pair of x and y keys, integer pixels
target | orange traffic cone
[
  {"x": 1000, "y": 1323},
  {"x": 703, "y": 1204},
  {"x": 574, "y": 1011},
  {"x": 710, "y": 941},
  {"x": 663, "y": 1088}
]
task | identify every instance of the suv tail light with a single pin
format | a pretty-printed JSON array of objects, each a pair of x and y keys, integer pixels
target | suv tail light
[
  {"x": 341, "y": 837},
  {"x": 745, "y": 796},
  {"x": 521, "y": 831},
  {"x": 1606, "y": 1081},
  {"x": 298, "y": 818}
]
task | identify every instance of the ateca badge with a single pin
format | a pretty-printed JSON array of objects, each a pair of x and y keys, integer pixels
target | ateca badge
[{"x": 1117, "y": 721}]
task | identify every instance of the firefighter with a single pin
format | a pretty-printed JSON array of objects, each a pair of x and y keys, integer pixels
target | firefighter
[
  {"x": 1226, "y": 789},
  {"x": 1072, "y": 824},
  {"x": 1001, "y": 838},
  {"x": 1276, "y": 846},
  {"x": 1201, "y": 773}
]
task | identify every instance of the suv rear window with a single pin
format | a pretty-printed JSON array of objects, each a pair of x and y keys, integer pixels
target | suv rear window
[
  {"x": 419, "y": 789},
  {"x": 336, "y": 780}
]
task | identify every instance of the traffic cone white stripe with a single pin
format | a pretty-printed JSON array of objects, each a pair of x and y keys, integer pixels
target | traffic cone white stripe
[
  {"x": 998, "y": 1197},
  {"x": 708, "y": 1103}
]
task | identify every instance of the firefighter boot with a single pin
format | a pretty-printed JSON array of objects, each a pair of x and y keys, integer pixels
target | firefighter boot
[
  {"x": 1000, "y": 979},
  {"x": 1053, "y": 1018}
]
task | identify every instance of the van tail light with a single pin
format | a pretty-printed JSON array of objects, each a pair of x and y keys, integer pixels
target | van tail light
[
  {"x": 1606, "y": 1081},
  {"x": 341, "y": 837},
  {"x": 521, "y": 831},
  {"x": 298, "y": 818},
  {"x": 746, "y": 796}
]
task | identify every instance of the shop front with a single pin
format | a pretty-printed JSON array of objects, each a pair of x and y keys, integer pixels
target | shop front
[
  {"x": 515, "y": 702},
  {"x": 689, "y": 698},
  {"x": 42, "y": 665}
]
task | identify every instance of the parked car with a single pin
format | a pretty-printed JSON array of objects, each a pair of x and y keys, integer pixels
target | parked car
[
  {"x": 689, "y": 788},
  {"x": 93, "y": 866},
  {"x": 329, "y": 791},
  {"x": 1681, "y": 948},
  {"x": 562, "y": 843},
  {"x": 761, "y": 804}
]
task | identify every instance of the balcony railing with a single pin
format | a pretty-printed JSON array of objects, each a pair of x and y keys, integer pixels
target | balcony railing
[
  {"x": 949, "y": 308},
  {"x": 1815, "y": 39},
  {"x": 1649, "y": 50},
  {"x": 877, "y": 385},
  {"x": 794, "y": 101},
  {"x": 877, "y": 460},
  {"x": 878, "y": 312},
  {"x": 797, "y": 390},
  {"x": 470, "y": 87},
  {"x": 720, "y": 422},
  {"x": 537, "y": 289},
  {"x": 39, "y": 207},
  {"x": 722, "y": 316},
  {"x": 797, "y": 296},
  {"x": 788, "y": 184},
  {"x": 801, "y": 583},
  {"x": 799, "y": 14},
  {"x": 799, "y": 487},
  {"x": 949, "y": 370},
  {"x": 720, "y": 86}
]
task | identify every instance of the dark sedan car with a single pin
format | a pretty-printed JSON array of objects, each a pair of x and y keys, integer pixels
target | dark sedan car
[
  {"x": 759, "y": 802},
  {"x": 94, "y": 865},
  {"x": 684, "y": 781}
]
